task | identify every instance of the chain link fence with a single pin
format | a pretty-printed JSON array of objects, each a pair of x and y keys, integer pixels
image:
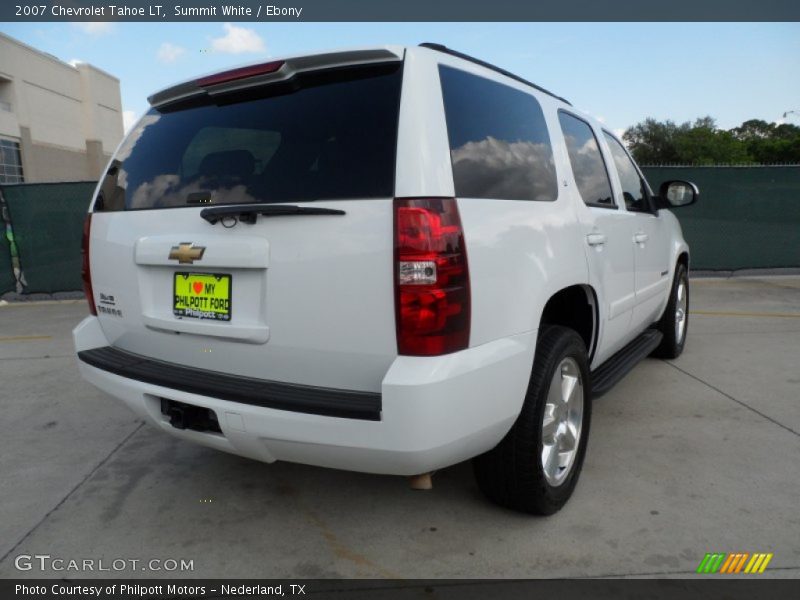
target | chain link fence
[
  {"x": 747, "y": 218},
  {"x": 43, "y": 227}
]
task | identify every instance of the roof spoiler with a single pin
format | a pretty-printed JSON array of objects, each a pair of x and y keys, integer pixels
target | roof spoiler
[{"x": 263, "y": 73}]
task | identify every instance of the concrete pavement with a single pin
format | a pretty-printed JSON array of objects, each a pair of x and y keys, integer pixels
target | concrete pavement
[{"x": 685, "y": 457}]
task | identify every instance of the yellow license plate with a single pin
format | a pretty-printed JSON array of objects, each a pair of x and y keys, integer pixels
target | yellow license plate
[{"x": 202, "y": 296}]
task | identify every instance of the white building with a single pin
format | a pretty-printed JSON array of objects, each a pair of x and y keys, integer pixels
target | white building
[{"x": 58, "y": 122}]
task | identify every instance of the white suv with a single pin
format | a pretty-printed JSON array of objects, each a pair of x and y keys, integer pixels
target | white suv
[{"x": 386, "y": 260}]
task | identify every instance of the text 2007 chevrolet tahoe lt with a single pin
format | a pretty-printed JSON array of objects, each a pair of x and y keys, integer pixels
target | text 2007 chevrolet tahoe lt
[{"x": 386, "y": 260}]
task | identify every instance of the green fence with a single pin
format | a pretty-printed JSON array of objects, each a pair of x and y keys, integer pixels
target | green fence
[
  {"x": 746, "y": 218},
  {"x": 47, "y": 224},
  {"x": 8, "y": 283}
]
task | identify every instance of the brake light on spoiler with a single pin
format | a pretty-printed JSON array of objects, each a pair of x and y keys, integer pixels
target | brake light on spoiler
[
  {"x": 240, "y": 73},
  {"x": 432, "y": 292}
]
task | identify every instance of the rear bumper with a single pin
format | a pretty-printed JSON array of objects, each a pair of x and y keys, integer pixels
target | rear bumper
[
  {"x": 242, "y": 390},
  {"x": 434, "y": 412}
]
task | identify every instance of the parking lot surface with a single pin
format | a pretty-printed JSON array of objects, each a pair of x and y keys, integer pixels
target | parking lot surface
[{"x": 696, "y": 455}]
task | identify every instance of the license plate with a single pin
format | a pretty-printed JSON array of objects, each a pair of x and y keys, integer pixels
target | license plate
[{"x": 202, "y": 296}]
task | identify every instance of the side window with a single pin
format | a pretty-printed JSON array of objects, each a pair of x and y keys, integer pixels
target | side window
[
  {"x": 588, "y": 165},
  {"x": 633, "y": 188},
  {"x": 499, "y": 143}
]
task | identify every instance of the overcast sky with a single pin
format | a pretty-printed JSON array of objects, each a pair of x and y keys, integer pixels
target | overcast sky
[{"x": 620, "y": 73}]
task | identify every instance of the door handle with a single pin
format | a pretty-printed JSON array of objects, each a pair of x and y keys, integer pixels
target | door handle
[
  {"x": 640, "y": 237},
  {"x": 596, "y": 239}
]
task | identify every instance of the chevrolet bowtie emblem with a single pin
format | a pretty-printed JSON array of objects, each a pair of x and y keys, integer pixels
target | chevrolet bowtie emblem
[{"x": 186, "y": 253}]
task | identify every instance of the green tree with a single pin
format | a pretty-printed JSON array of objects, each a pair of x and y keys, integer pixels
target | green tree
[
  {"x": 754, "y": 129},
  {"x": 786, "y": 131},
  {"x": 654, "y": 141},
  {"x": 703, "y": 143},
  {"x": 769, "y": 143}
]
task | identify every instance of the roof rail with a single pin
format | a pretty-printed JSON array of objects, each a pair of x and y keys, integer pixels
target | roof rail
[{"x": 477, "y": 61}]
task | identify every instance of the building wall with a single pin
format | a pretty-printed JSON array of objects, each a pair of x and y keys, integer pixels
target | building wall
[{"x": 67, "y": 120}]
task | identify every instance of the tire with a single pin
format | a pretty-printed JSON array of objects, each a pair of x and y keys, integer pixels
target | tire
[
  {"x": 512, "y": 474},
  {"x": 674, "y": 339}
]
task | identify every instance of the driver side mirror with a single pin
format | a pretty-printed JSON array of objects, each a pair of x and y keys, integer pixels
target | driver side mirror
[{"x": 677, "y": 193}]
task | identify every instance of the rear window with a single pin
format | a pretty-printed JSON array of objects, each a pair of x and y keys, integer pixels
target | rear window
[
  {"x": 499, "y": 144},
  {"x": 324, "y": 136}
]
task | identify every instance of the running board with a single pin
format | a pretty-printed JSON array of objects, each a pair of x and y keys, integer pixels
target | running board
[{"x": 615, "y": 368}]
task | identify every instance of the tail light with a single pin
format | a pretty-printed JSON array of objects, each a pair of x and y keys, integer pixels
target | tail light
[
  {"x": 432, "y": 298},
  {"x": 86, "y": 273}
]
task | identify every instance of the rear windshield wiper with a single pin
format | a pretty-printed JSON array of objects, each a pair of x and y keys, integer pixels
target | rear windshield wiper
[{"x": 248, "y": 213}]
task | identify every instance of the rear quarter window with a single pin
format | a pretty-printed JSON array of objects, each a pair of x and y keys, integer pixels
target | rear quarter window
[
  {"x": 322, "y": 136},
  {"x": 499, "y": 144}
]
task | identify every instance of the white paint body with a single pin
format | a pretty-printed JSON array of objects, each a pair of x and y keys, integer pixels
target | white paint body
[{"x": 314, "y": 302}]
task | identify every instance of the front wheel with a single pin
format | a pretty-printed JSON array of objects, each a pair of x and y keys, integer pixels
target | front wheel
[
  {"x": 675, "y": 321},
  {"x": 535, "y": 467}
]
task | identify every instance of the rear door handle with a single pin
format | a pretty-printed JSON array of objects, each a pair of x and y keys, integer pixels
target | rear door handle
[
  {"x": 596, "y": 239},
  {"x": 640, "y": 238}
]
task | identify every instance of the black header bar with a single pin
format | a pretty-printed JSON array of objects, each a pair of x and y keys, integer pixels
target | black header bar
[
  {"x": 405, "y": 10},
  {"x": 708, "y": 588}
]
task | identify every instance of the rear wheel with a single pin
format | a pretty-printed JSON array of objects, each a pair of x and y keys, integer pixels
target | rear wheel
[
  {"x": 675, "y": 321},
  {"x": 535, "y": 467}
]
